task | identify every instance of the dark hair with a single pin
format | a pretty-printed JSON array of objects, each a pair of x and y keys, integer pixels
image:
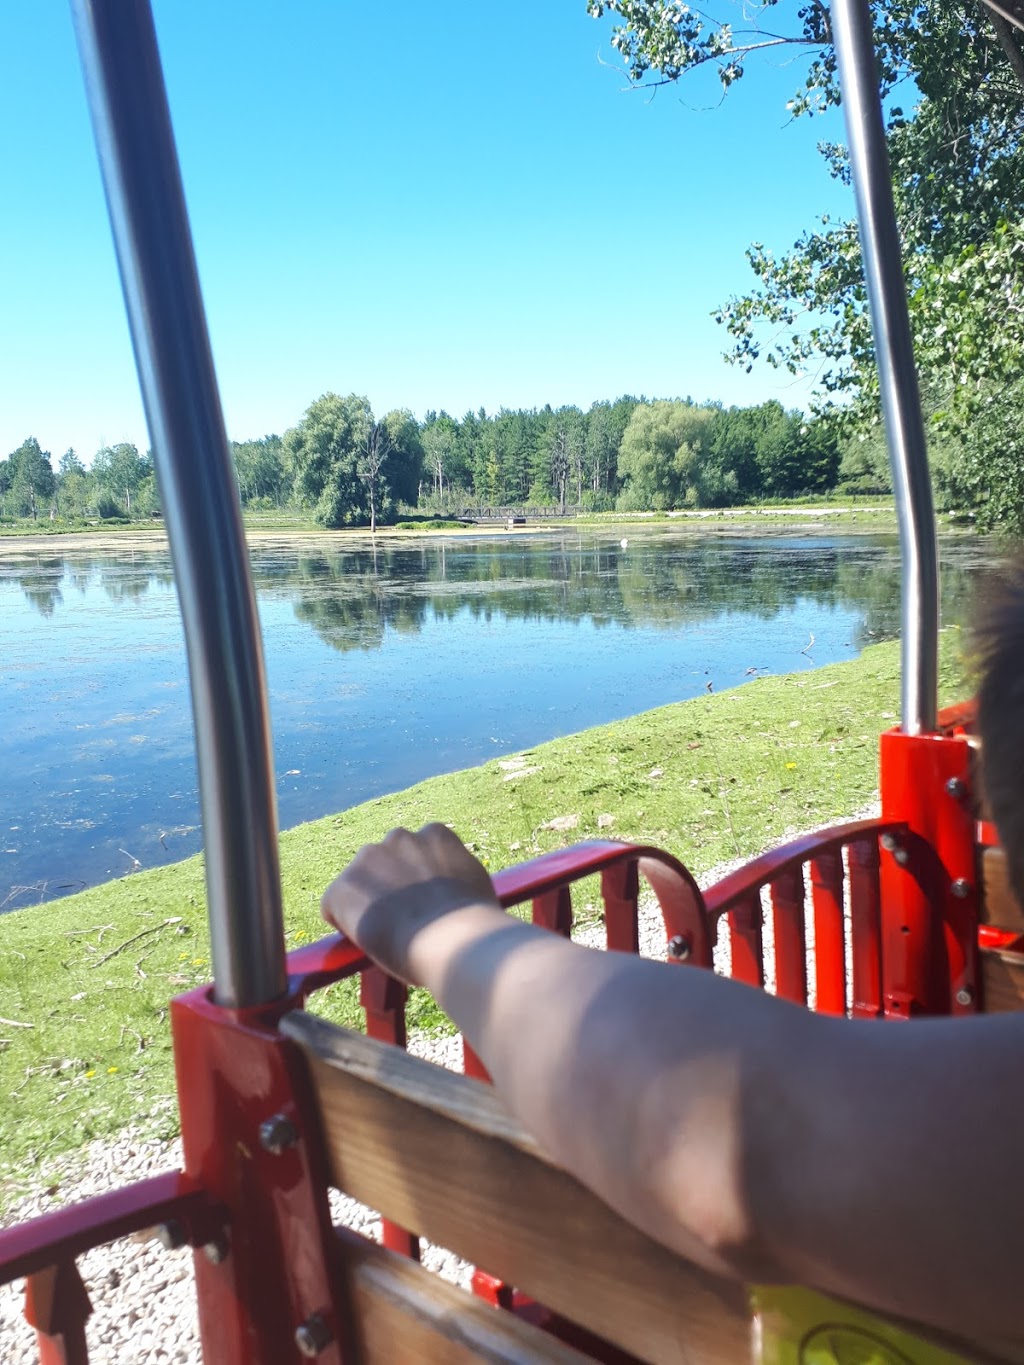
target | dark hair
[{"x": 999, "y": 650}]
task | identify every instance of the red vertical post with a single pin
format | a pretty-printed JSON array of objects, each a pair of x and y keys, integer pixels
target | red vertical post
[
  {"x": 929, "y": 879},
  {"x": 383, "y": 999},
  {"x": 620, "y": 891},
  {"x": 57, "y": 1306},
  {"x": 745, "y": 939},
  {"x": 553, "y": 910},
  {"x": 865, "y": 926},
  {"x": 252, "y": 1138},
  {"x": 787, "y": 892},
  {"x": 829, "y": 933}
]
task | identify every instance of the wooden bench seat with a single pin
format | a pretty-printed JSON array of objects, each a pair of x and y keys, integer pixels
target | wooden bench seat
[{"x": 435, "y": 1152}]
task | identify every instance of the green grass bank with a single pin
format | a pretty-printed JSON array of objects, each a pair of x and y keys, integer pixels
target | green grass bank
[{"x": 85, "y": 981}]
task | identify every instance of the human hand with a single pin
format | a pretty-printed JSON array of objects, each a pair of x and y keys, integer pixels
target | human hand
[{"x": 393, "y": 889}]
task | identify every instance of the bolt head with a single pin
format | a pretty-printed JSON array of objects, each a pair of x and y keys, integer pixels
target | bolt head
[
  {"x": 961, "y": 888},
  {"x": 216, "y": 1252},
  {"x": 888, "y": 842},
  {"x": 277, "y": 1134},
  {"x": 956, "y": 787},
  {"x": 965, "y": 996},
  {"x": 171, "y": 1235},
  {"x": 900, "y": 856},
  {"x": 313, "y": 1336},
  {"x": 679, "y": 947}
]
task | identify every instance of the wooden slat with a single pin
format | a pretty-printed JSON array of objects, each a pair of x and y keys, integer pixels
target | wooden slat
[
  {"x": 438, "y": 1154},
  {"x": 999, "y": 906},
  {"x": 404, "y": 1315},
  {"x": 1002, "y": 981}
]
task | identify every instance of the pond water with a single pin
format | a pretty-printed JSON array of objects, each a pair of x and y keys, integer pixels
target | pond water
[{"x": 392, "y": 664}]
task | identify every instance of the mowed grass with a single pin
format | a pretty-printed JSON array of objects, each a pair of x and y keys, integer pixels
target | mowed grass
[{"x": 84, "y": 982}]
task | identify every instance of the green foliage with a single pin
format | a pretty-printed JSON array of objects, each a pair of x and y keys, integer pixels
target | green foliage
[
  {"x": 262, "y": 471},
  {"x": 27, "y": 481},
  {"x": 957, "y": 161},
  {"x": 121, "y": 473}
]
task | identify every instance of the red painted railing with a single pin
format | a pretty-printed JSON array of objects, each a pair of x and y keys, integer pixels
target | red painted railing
[{"x": 824, "y": 884}]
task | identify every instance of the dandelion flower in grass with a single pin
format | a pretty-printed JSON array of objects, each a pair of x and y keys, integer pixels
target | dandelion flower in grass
[
  {"x": 89, "y": 1075},
  {"x": 111, "y": 1070},
  {"x": 790, "y": 765}
]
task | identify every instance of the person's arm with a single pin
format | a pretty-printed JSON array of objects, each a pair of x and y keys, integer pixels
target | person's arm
[{"x": 874, "y": 1161}]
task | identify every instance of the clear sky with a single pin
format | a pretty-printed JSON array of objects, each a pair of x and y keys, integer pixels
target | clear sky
[{"x": 436, "y": 206}]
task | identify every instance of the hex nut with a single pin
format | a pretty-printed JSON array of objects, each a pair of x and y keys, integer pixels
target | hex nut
[
  {"x": 313, "y": 1336},
  {"x": 277, "y": 1134},
  {"x": 965, "y": 996},
  {"x": 956, "y": 787},
  {"x": 679, "y": 947},
  {"x": 961, "y": 888}
]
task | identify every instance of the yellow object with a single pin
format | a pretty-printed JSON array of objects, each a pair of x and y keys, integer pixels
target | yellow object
[{"x": 796, "y": 1326}]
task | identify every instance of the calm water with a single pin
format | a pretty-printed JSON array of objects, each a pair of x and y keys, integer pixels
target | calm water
[{"x": 387, "y": 667}]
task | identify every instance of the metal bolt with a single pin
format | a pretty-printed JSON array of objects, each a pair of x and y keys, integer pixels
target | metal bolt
[
  {"x": 277, "y": 1134},
  {"x": 888, "y": 842},
  {"x": 171, "y": 1235},
  {"x": 965, "y": 996},
  {"x": 956, "y": 787},
  {"x": 313, "y": 1336},
  {"x": 900, "y": 856},
  {"x": 679, "y": 947},
  {"x": 961, "y": 888},
  {"x": 216, "y": 1252}
]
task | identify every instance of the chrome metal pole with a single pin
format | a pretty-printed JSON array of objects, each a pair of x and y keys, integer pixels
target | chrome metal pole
[
  {"x": 125, "y": 88},
  {"x": 897, "y": 373}
]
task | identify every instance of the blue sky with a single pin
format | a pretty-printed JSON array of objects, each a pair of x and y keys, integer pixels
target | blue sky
[{"x": 438, "y": 207}]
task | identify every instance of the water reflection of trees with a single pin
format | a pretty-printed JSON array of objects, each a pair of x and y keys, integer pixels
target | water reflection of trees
[
  {"x": 352, "y": 597},
  {"x": 123, "y": 577}
]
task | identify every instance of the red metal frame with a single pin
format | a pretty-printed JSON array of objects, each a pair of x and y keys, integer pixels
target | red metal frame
[{"x": 253, "y": 1204}]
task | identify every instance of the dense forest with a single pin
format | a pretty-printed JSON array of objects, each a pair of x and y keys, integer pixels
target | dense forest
[{"x": 344, "y": 467}]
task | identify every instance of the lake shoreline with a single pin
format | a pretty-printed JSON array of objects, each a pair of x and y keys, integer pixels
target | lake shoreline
[
  {"x": 711, "y": 779},
  {"x": 827, "y": 518}
]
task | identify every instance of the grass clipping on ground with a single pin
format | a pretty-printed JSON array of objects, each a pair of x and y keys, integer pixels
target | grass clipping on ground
[{"x": 85, "y": 1044}]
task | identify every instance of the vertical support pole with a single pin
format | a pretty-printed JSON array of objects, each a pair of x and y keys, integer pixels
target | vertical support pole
[
  {"x": 790, "y": 939},
  {"x": 620, "y": 891},
  {"x": 383, "y": 999},
  {"x": 553, "y": 910},
  {"x": 897, "y": 374},
  {"x": 57, "y": 1306},
  {"x": 930, "y": 894},
  {"x": 866, "y": 933},
  {"x": 745, "y": 939},
  {"x": 829, "y": 934},
  {"x": 131, "y": 122}
]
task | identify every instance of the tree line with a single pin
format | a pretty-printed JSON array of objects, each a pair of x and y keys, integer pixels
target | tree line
[{"x": 346, "y": 467}]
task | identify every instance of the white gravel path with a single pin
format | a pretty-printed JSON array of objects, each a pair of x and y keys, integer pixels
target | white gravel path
[{"x": 144, "y": 1309}]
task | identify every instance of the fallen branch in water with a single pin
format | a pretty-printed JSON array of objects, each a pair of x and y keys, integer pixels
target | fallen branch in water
[{"x": 153, "y": 929}]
